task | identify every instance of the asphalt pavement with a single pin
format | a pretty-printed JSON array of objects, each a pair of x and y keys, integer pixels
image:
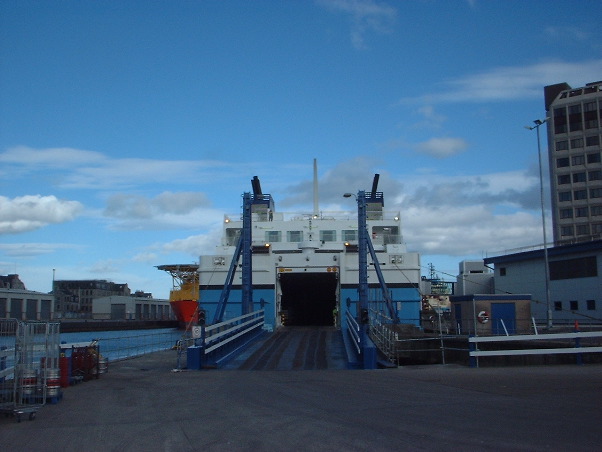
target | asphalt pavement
[{"x": 143, "y": 405}]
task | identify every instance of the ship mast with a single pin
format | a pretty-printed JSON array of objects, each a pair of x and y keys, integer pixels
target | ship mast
[{"x": 316, "y": 208}]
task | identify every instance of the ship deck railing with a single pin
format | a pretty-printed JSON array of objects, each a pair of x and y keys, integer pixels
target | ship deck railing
[{"x": 324, "y": 215}]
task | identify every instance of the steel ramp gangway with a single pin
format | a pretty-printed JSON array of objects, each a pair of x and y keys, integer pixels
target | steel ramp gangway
[{"x": 209, "y": 346}]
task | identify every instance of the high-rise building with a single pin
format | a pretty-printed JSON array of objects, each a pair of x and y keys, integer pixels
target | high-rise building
[{"x": 574, "y": 150}]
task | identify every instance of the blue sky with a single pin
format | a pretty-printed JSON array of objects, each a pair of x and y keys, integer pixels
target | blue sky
[{"x": 129, "y": 128}]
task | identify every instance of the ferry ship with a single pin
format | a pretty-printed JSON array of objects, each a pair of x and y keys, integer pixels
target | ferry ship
[{"x": 304, "y": 266}]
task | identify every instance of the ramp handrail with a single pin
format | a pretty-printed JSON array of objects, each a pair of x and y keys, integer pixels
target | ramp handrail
[
  {"x": 213, "y": 344},
  {"x": 354, "y": 331},
  {"x": 383, "y": 336},
  {"x": 576, "y": 336},
  {"x": 218, "y": 337}
]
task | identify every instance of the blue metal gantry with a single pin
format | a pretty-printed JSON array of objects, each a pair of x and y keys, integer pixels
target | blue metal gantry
[
  {"x": 261, "y": 204},
  {"x": 367, "y": 348}
]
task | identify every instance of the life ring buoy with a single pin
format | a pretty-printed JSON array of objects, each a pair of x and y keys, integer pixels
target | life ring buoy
[{"x": 483, "y": 317}]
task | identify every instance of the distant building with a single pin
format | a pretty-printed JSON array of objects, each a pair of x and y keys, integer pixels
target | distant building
[
  {"x": 575, "y": 281},
  {"x": 133, "y": 307},
  {"x": 11, "y": 282},
  {"x": 574, "y": 136},
  {"x": 74, "y": 298},
  {"x": 474, "y": 278},
  {"x": 17, "y": 302}
]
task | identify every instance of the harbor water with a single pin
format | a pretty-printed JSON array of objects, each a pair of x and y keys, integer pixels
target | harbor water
[{"x": 118, "y": 345}]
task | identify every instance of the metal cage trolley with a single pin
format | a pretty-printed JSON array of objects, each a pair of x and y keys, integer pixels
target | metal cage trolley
[{"x": 29, "y": 366}]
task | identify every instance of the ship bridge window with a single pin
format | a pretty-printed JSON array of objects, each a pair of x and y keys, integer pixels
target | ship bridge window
[
  {"x": 232, "y": 235},
  {"x": 328, "y": 236},
  {"x": 294, "y": 236},
  {"x": 273, "y": 236},
  {"x": 349, "y": 235},
  {"x": 385, "y": 234}
]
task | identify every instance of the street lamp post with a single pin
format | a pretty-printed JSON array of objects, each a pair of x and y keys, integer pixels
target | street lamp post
[{"x": 538, "y": 123}]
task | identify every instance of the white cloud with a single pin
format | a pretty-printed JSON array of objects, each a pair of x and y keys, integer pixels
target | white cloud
[
  {"x": 468, "y": 230},
  {"x": 512, "y": 82},
  {"x": 566, "y": 32},
  {"x": 365, "y": 15},
  {"x": 33, "y": 249},
  {"x": 107, "y": 266},
  {"x": 51, "y": 157},
  {"x": 167, "y": 210},
  {"x": 194, "y": 245},
  {"x": 442, "y": 147},
  {"x": 432, "y": 119},
  {"x": 145, "y": 257},
  {"x": 77, "y": 169},
  {"x": 31, "y": 212},
  {"x": 348, "y": 176}
]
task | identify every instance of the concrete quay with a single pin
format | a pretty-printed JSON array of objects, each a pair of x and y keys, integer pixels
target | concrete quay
[{"x": 142, "y": 405}]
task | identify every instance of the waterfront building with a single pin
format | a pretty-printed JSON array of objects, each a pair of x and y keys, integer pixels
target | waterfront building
[
  {"x": 19, "y": 303},
  {"x": 574, "y": 135},
  {"x": 133, "y": 307},
  {"x": 474, "y": 278},
  {"x": 74, "y": 297},
  {"x": 575, "y": 280}
]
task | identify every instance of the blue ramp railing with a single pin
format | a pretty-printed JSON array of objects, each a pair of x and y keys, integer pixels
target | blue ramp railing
[
  {"x": 361, "y": 351},
  {"x": 215, "y": 344}
]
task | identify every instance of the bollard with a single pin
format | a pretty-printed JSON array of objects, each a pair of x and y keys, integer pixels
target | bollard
[{"x": 578, "y": 356}]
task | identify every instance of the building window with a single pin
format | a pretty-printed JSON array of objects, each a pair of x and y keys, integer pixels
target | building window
[
  {"x": 582, "y": 229},
  {"x": 566, "y": 231},
  {"x": 581, "y": 267},
  {"x": 564, "y": 179},
  {"x": 579, "y": 177},
  {"x": 589, "y": 106},
  {"x": 273, "y": 236},
  {"x": 590, "y": 115},
  {"x": 577, "y": 143},
  {"x": 593, "y": 158},
  {"x": 595, "y": 192},
  {"x": 592, "y": 141},
  {"x": 349, "y": 235},
  {"x": 581, "y": 212},
  {"x": 294, "y": 236},
  {"x": 578, "y": 160},
  {"x": 502, "y": 271},
  {"x": 579, "y": 194},
  {"x": 597, "y": 228},
  {"x": 328, "y": 236},
  {"x": 558, "y": 306},
  {"x": 575, "y": 120},
  {"x": 566, "y": 213},
  {"x": 596, "y": 210},
  {"x": 560, "y": 120},
  {"x": 591, "y": 305},
  {"x": 574, "y": 305},
  {"x": 594, "y": 175},
  {"x": 562, "y": 145},
  {"x": 564, "y": 196},
  {"x": 562, "y": 162}
]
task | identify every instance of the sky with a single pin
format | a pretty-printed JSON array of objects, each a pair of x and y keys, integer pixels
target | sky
[{"x": 128, "y": 129}]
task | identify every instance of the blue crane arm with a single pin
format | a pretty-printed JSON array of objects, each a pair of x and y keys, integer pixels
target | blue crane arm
[
  {"x": 223, "y": 299},
  {"x": 381, "y": 280}
]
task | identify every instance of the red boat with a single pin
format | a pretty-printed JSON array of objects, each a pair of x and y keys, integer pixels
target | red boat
[
  {"x": 184, "y": 297},
  {"x": 186, "y": 311}
]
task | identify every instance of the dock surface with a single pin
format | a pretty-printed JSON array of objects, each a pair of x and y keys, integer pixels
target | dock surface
[{"x": 142, "y": 404}]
